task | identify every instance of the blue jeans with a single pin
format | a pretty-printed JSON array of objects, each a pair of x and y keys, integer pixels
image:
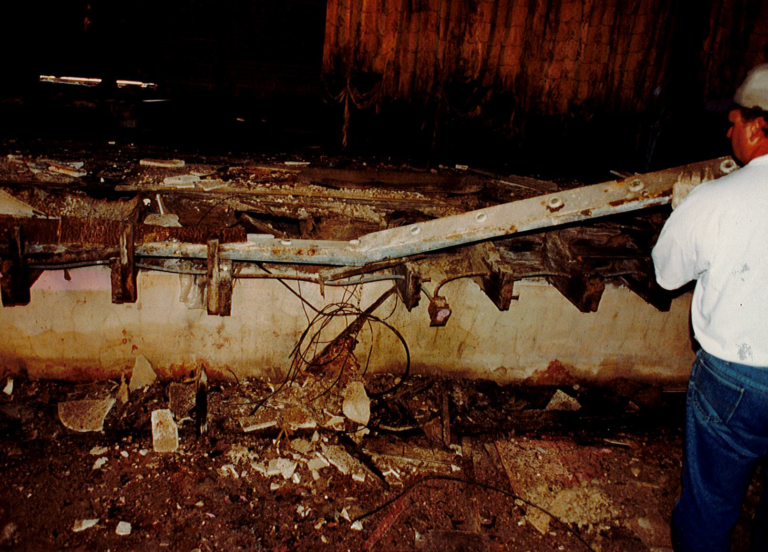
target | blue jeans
[{"x": 726, "y": 433}]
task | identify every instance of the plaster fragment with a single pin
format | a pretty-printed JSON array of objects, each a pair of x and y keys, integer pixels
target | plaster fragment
[
  {"x": 357, "y": 405},
  {"x": 85, "y": 415},
  {"x": 123, "y": 528},
  {"x": 83, "y": 524},
  {"x": 563, "y": 401},
  {"x": 264, "y": 418},
  {"x": 143, "y": 375},
  {"x": 165, "y": 432},
  {"x": 281, "y": 466}
]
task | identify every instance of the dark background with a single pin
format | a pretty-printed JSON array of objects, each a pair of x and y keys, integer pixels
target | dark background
[{"x": 269, "y": 77}]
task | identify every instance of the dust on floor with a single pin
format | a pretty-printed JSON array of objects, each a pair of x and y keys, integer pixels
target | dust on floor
[{"x": 440, "y": 465}]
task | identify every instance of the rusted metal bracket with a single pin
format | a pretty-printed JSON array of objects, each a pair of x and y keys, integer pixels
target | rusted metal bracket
[
  {"x": 15, "y": 280},
  {"x": 409, "y": 286},
  {"x": 219, "y": 281},
  {"x": 124, "y": 268}
]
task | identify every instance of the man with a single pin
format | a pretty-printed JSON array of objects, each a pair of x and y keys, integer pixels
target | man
[{"x": 718, "y": 236}]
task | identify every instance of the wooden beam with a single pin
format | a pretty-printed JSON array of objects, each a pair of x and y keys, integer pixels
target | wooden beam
[
  {"x": 499, "y": 282},
  {"x": 124, "y": 268},
  {"x": 642, "y": 281},
  {"x": 15, "y": 282},
  {"x": 219, "y": 281},
  {"x": 570, "y": 276}
]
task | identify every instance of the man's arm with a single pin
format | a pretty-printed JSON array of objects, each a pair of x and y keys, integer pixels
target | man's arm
[{"x": 676, "y": 256}]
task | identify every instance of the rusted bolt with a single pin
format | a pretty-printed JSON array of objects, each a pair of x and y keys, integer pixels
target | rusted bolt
[
  {"x": 554, "y": 203},
  {"x": 636, "y": 185},
  {"x": 481, "y": 217},
  {"x": 728, "y": 166},
  {"x": 415, "y": 230}
]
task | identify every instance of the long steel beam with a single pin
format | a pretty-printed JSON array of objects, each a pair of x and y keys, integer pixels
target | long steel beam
[
  {"x": 545, "y": 211},
  {"x": 579, "y": 204}
]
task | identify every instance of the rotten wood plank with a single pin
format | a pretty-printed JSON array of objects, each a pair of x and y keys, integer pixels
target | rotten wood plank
[
  {"x": 124, "y": 268},
  {"x": 570, "y": 276},
  {"x": 15, "y": 283},
  {"x": 219, "y": 281},
  {"x": 499, "y": 283},
  {"x": 642, "y": 280}
]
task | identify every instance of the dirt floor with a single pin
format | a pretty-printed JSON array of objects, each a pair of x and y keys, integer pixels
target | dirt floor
[{"x": 441, "y": 466}]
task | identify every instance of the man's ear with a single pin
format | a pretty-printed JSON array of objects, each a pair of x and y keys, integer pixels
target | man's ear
[
  {"x": 756, "y": 130},
  {"x": 763, "y": 125}
]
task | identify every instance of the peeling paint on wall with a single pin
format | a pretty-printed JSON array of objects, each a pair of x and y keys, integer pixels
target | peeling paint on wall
[{"x": 72, "y": 330}]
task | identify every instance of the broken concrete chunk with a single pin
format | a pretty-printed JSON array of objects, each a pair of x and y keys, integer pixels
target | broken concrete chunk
[
  {"x": 143, "y": 375},
  {"x": 212, "y": 184},
  {"x": 281, "y": 466},
  {"x": 301, "y": 445},
  {"x": 64, "y": 167},
  {"x": 357, "y": 405},
  {"x": 165, "y": 433},
  {"x": 168, "y": 220},
  {"x": 83, "y": 524},
  {"x": 123, "y": 528},
  {"x": 335, "y": 422},
  {"x": 98, "y": 464},
  {"x": 264, "y": 418},
  {"x": 182, "y": 181},
  {"x": 564, "y": 402},
  {"x": 317, "y": 463},
  {"x": 296, "y": 418},
  {"x": 85, "y": 415},
  {"x": 340, "y": 459},
  {"x": 8, "y": 389}
]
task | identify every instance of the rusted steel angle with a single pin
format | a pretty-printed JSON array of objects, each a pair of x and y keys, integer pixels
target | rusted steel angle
[{"x": 546, "y": 211}]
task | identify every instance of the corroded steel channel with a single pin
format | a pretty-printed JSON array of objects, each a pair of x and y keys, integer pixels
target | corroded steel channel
[{"x": 555, "y": 209}]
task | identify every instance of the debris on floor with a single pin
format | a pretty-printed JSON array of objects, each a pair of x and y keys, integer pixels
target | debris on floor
[
  {"x": 143, "y": 375},
  {"x": 281, "y": 471},
  {"x": 85, "y": 415},
  {"x": 165, "y": 432}
]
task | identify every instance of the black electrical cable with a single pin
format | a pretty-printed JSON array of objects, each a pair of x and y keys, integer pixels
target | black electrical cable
[
  {"x": 322, "y": 319},
  {"x": 478, "y": 484}
]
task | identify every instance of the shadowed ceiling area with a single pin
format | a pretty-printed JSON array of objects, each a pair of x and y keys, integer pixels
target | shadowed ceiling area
[{"x": 519, "y": 82}]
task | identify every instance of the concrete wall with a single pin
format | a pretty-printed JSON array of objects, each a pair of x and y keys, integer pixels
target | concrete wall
[{"x": 72, "y": 330}]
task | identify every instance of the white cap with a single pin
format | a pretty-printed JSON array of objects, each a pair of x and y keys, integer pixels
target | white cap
[{"x": 753, "y": 94}]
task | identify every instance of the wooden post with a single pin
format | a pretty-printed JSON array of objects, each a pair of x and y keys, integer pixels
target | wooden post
[
  {"x": 219, "y": 281},
  {"x": 15, "y": 282},
  {"x": 124, "y": 268}
]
